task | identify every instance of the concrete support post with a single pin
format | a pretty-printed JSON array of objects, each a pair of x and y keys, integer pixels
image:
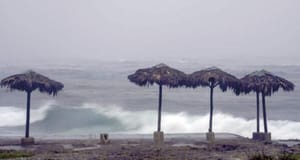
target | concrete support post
[
  {"x": 210, "y": 136},
  {"x": 158, "y": 138},
  {"x": 264, "y": 137},
  {"x": 27, "y": 141}
]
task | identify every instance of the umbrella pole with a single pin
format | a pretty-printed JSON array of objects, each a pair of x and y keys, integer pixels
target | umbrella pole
[
  {"x": 159, "y": 108},
  {"x": 257, "y": 112},
  {"x": 27, "y": 115},
  {"x": 264, "y": 112},
  {"x": 211, "y": 108}
]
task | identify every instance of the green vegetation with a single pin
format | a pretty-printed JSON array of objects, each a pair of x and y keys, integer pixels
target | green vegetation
[
  {"x": 289, "y": 157},
  {"x": 14, "y": 154},
  {"x": 261, "y": 157},
  {"x": 278, "y": 157}
]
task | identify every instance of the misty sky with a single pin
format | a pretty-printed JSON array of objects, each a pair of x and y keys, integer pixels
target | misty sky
[{"x": 268, "y": 30}]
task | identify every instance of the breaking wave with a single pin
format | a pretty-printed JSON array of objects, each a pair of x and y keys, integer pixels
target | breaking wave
[
  {"x": 92, "y": 118},
  {"x": 14, "y": 116},
  {"x": 146, "y": 122}
]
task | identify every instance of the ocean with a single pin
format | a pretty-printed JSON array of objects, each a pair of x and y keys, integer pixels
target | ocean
[{"x": 98, "y": 98}]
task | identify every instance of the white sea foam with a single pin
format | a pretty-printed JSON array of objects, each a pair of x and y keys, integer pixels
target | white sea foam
[
  {"x": 14, "y": 116},
  {"x": 146, "y": 122}
]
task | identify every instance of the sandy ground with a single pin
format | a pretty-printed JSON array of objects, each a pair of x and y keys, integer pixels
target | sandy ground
[{"x": 143, "y": 149}]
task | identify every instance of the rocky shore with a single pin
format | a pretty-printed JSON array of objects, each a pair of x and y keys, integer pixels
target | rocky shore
[{"x": 137, "y": 149}]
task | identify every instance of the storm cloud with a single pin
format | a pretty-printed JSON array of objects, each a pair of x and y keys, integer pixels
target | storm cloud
[{"x": 268, "y": 31}]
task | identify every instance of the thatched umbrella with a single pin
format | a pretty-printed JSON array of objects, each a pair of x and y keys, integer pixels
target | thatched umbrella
[
  {"x": 161, "y": 75},
  {"x": 265, "y": 83},
  {"x": 213, "y": 77},
  {"x": 29, "y": 82}
]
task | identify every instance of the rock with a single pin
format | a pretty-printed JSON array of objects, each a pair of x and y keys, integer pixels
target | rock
[{"x": 225, "y": 148}]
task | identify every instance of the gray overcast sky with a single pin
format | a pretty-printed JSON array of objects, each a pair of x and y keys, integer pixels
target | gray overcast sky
[{"x": 139, "y": 29}]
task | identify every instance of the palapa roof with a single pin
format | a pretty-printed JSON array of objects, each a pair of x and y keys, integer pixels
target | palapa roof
[
  {"x": 31, "y": 81},
  {"x": 264, "y": 82},
  {"x": 206, "y": 76},
  {"x": 160, "y": 74}
]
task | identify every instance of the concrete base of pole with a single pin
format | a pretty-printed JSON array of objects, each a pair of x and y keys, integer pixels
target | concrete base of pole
[
  {"x": 265, "y": 137},
  {"x": 27, "y": 141},
  {"x": 158, "y": 138},
  {"x": 210, "y": 136}
]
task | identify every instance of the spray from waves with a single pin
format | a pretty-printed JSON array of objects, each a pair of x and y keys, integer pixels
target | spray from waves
[
  {"x": 13, "y": 116},
  {"x": 146, "y": 122}
]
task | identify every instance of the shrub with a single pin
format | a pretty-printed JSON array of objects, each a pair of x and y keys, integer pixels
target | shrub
[{"x": 14, "y": 154}]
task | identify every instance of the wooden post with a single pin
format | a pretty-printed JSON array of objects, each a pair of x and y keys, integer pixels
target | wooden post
[
  {"x": 257, "y": 112},
  {"x": 211, "y": 107},
  {"x": 264, "y": 113},
  {"x": 28, "y": 115},
  {"x": 159, "y": 108}
]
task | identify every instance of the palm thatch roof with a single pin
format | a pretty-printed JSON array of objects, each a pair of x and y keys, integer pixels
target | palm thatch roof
[
  {"x": 31, "y": 81},
  {"x": 264, "y": 82},
  {"x": 160, "y": 74},
  {"x": 215, "y": 75}
]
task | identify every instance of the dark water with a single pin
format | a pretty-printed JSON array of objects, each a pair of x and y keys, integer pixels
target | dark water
[{"x": 99, "y": 98}]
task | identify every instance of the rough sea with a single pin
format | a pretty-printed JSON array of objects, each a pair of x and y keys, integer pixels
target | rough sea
[{"x": 99, "y": 98}]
